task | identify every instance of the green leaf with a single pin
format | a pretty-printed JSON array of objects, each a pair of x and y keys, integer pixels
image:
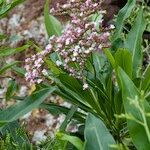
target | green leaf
[
  {"x": 137, "y": 108},
  {"x": 52, "y": 66},
  {"x": 17, "y": 133},
  {"x": 53, "y": 26},
  {"x": 110, "y": 57},
  {"x": 14, "y": 112},
  {"x": 69, "y": 97},
  {"x": 8, "y": 66},
  {"x": 123, "y": 59},
  {"x": 70, "y": 114},
  {"x": 123, "y": 14},
  {"x": 16, "y": 2},
  {"x": 12, "y": 88},
  {"x": 72, "y": 139},
  {"x": 74, "y": 88},
  {"x": 100, "y": 68},
  {"x": 56, "y": 110},
  {"x": 1, "y": 2},
  {"x": 7, "y": 7},
  {"x": 146, "y": 79},
  {"x": 97, "y": 136},
  {"x": 10, "y": 51},
  {"x": 4, "y": 9},
  {"x": 20, "y": 71},
  {"x": 134, "y": 40}
]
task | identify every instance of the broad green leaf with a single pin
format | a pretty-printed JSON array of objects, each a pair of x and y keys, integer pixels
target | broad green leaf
[
  {"x": 123, "y": 14},
  {"x": 10, "y": 51},
  {"x": 134, "y": 40},
  {"x": 146, "y": 79},
  {"x": 8, "y": 66},
  {"x": 100, "y": 68},
  {"x": 137, "y": 108},
  {"x": 97, "y": 136},
  {"x": 110, "y": 57},
  {"x": 21, "y": 108},
  {"x": 123, "y": 59},
  {"x": 72, "y": 139},
  {"x": 53, "y": 26}
]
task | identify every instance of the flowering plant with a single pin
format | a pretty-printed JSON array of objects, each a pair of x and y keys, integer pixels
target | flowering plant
[
  {"x": 79, "y": 39},
  {"x": 99, "y": 73}
]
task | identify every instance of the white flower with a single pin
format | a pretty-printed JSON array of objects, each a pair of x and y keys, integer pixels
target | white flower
[
  {"x": 58, "y": 63},
  {"x": 81, "y": 14},
  {"x": 45, "y": 73},
  {"x": 48, "y": 47},
  {"x": 39, "y": 136},
  {"x": 67, "y": 41},
  {"x": 111, "y": 26},
  {"x": 85, "y": 86},
  {"x": 73, "y": 59},
  {"x": 100, "y": 46},
  {"x": 87, "y": 51},
  {"x": 39, "y": 81},
  {"x": 75, "y": 54}
]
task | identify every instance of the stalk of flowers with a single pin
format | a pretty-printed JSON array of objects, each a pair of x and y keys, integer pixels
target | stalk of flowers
[{"x": 79, "y": 39}]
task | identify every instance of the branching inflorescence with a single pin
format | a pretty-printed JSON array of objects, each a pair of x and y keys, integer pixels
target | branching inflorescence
[{"x": 79, "y": 39}]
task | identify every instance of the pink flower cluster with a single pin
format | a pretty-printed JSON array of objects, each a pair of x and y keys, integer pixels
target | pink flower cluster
[{"x": 79, "y": 39}]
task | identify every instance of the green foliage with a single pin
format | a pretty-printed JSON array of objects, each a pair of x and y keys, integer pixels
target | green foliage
[
  {"x": 72, "y": 139},
  {"x": 14, "y": 112},
  {"x": 14, "y": 137},
  {"x": 53, "y": 26},
  {"x": 115, "y": 104},
  {"x": 97, "y": 135},
  {"x": 6, "y": 7},
  {"x": 19, "y": 71},
  {"x": 11, "y": 51},
  {"x": 56, "y": 110},
  {"x": 53, "y": 144},
  {"x": 133, "y": 42},
  {"x": 146, "y": 14},
  {"x": 123, "y": 59},
  {"x": 70, "y": 114},
  {"x": 145, "y": 84},
  {"x": 123, "y": 14},
  {"x": 8, "y": 66},
  {"x": 12, "y": 89},
  {"x": 137, "y": 108}
]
